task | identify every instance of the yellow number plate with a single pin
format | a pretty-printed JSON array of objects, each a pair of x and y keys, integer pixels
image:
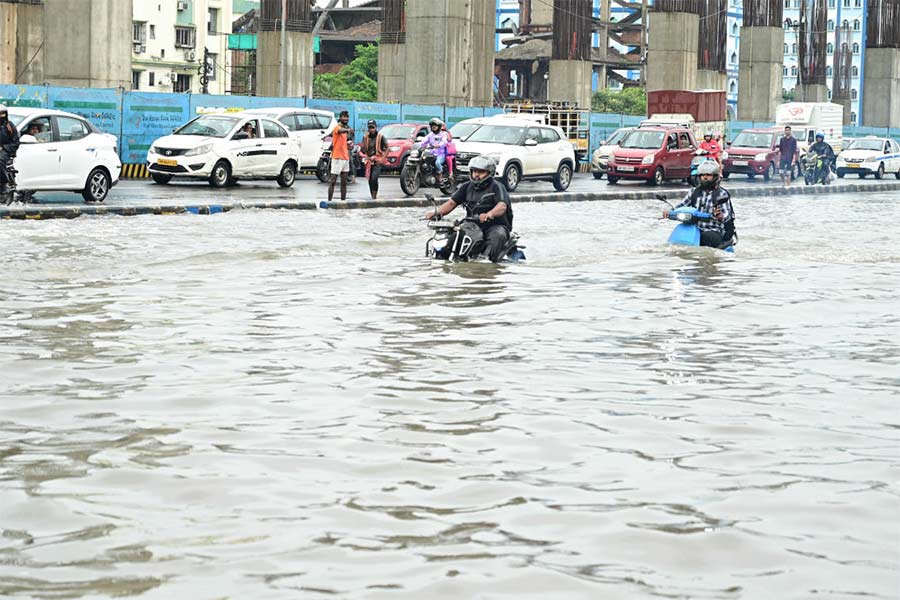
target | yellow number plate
[
  {"x": 168, "y": 162},
  {"x": 850, "y": 166}
]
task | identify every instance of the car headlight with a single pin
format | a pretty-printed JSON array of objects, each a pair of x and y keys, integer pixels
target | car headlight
[
  {"x": 684, "y": 217},
  {"x": 204, "y": 149},
  {"x": 154, "y": 150},
  {"x": 648, "y": 160},
  {"x": 393, "y": 148},
  {"x": 870, "y": 159},
  {"x": 761, "y": 156}
]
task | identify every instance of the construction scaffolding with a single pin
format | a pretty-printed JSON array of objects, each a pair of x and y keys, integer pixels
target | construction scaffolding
[
  {"x": 843, "y": 63},
  {"x": 713, "y": 36},
  {"x": 812, "y": 42},
  {"x": 299, "y": 16},
  {"x": 883, "y": 24},
  {"x": 393, "y": 23},
  {"x": 572, "y": 28},
  {"x": 679, "y": 6},
  {"x": 763, "y": 13}
]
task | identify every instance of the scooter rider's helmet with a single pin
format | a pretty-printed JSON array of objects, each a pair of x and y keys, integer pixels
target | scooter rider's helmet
[
  {"x": 708, "y": 136},
  {"x": 483, "y": 163},
  {"x": 4, "y": 113},
  {"x": 820, "y": 136},
  {"x": 435, "y": 122}
]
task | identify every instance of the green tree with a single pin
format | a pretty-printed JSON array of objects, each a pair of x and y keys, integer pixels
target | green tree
[
  {"x": 629, "y": 101},
  {"x": 355, "y": 81}
]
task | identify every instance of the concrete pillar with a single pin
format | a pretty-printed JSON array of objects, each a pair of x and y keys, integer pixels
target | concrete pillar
[
  {"x": 811, "y": 92},
  {"x": 87, "y": 43},
  {"x": 8, "y": 26},
  {"x": 541, "y": 12},
  {"x": 672, "y": 56},
  {"x": 298, "y": 71},
  {"x": 450, "y": 52},
  {"x": 571, "y": 81},
  {"x": 708, "y": 79},
  {"x": 760, "y": 80},
  {"x": 30, "y": 41},
  {"x": 881, "y": 91},
  {"x": 391, "y": 72}
]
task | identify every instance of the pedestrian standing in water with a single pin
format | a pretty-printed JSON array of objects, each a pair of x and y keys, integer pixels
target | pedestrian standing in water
[
  {"x": 789, "y": 155},
  {"x": 340, "y": 155},
  {"x": 374, "y": 150}
]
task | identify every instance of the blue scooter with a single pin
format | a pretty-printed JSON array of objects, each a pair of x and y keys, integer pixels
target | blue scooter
[{"x": 687, "y": 232}]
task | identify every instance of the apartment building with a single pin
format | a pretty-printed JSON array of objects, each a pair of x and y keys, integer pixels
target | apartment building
[{"x": 171, "y": 37}]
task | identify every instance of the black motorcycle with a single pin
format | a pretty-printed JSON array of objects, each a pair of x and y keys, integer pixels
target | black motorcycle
[
  {"x": 323, "y": 167},
  {"x": 12, "y": 193},
  {"x": 420, "y": 170},
  {"x": 815, "y": 168},
  {"x": 462, "y": 240}
]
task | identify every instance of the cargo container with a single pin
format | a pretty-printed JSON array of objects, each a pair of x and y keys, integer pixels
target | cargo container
[{"x": 707, "y": 106}]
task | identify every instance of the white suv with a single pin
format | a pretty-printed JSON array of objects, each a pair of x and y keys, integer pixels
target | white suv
[
  {"x": 306, "y": 126},
  {"x": 522, "y": 150}
]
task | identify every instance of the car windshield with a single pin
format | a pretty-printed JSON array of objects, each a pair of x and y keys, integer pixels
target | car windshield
[
  {"x": 746, "y": 139},
  {"x": 876, "y": 145},
  {"x": 617, "y": 137},
  {"x": 497, "y": 134},
  {"x": 212, "y": 126},
  {"x": 643, "y": 139},
  {"x": 461, "y": 131},
  {"x": 16, "y": 119},
  {"x": 397, "y": 132}
]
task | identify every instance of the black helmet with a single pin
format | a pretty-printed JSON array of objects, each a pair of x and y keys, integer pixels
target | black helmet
[{"x": 483, "y": 163}]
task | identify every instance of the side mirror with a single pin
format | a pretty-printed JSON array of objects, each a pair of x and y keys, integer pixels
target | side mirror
[
  {"x": 28, "y": 139},
  {"x": 240, "y": 135},
  {"x": 728, "y": 144},
  {"x": 531, "y": 142}
]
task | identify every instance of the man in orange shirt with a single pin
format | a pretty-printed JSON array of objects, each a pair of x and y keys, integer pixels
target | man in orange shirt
[{"x": 340, "y": 155}]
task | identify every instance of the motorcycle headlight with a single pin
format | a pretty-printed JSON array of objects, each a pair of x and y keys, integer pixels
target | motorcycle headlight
[
  {"x": 204, "y": 149},
  {"x": 414, "y": 153},
  {"x": 684, "y": 217},
  {"x": 760, "y": 157},
  {"x": 393, "y": 148},
  {"x": 648, "y": 160}
]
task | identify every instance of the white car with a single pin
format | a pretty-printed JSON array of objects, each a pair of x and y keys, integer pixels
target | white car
[
  {"x": 522, "y": 149},
  {"x": 869, "y": 155},
  {"x": 223, "y": 148},
  {"x": 60, "y": 151},
  {"x": 600, "y": 158},
  {"x": 306, "y": 126}
]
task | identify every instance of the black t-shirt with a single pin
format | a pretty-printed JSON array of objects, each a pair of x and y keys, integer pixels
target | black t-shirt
[
  {"x": 370, "y": 144},
  {"x": 476, "y": 203},
  {"x": 822, "y": 148}
]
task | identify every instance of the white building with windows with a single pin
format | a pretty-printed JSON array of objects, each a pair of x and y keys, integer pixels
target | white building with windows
[{"x": 168, "y": 42}]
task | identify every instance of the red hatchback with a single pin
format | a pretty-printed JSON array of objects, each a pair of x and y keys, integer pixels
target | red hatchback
[
  {"x": 653, "y": 154},
  {"x": 754, "y": 152},
  {"x": 400, "y": 138}
]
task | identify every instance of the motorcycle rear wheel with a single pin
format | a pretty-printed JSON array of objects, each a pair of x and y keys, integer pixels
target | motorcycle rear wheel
[
  {"x": 409, "y": 180},
  {"x": 322, "y": 169}
]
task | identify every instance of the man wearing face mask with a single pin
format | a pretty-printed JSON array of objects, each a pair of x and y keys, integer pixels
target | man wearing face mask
[
  {"x": 9, "y": 144},
  {"x": 709, "y": 197}
]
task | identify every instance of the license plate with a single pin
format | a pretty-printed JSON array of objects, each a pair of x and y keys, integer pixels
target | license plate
[
  {"x": 625, "y": 169},
  {"x": 741, "y": 163},
  {"x": 168, "y": 162},
  {"x": 849, "y": 166}
]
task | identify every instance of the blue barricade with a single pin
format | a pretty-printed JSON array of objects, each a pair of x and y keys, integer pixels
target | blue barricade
[
  {"x": 26, "y": 96},
  {"x": 103, "y": 108},
  {"x": 147, "y": 116}
]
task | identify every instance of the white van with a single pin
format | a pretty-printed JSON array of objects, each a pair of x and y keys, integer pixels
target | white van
[{"x": 806, "y": 118}]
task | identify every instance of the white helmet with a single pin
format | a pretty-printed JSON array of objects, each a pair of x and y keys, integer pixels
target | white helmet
[{"x": 709, "y": 167}]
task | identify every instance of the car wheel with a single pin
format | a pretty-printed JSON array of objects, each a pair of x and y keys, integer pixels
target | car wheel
[
  {"x": 862, "y": 175},
  {"x": 751, "y": 176},
  {"x": 97, "y": 188},
  {"x": 879, "y": 174},
  {"x": 897, "y": 174},
  {"x": 599, "y": 175},
  {"x": 220, "y": 175},
  {"x": 612, "y": 179},
  {"x": 770, "y": 172},
  {"x": 840, "y": 175},
  {"x": 658, "y": 177},
  {"x": 288, "y": 175},
  {"x": 563, "y": 177},
  {"x": 726, "y": 175},
  {"x": 161, "y": 178},
  {"x": 511, "y": 177}
]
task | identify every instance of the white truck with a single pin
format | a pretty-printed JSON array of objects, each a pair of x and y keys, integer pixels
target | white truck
[
  {"x": 806, "y": 118},
  {"x": 686, "y": 120}
]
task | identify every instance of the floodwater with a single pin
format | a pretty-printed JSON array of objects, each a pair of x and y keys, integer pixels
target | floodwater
[{"x": 268, "y": 404}]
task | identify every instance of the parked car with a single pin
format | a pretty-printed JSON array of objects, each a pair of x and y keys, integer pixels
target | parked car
[
  {"x": 522, "y": 149},
  {"x": 225, "y": 148},
  {"x": 306, "y": 126},
  {"x": 67, "y": 154},
  {"x": 400, "y": 138},
  {"x": 653, "y": 153},
  {"x": 869, "y": 155},
  {"x": 600, "y": 158},
  {"x": 754, "y": 152}
]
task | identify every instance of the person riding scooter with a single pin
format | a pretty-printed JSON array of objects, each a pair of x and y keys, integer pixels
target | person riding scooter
[
  {"x": 9, "y": 145},
  {"x": 712, "y": 147},
  {"x": 822, "y": 149},
  {"x": 486, "y": 199},
  {"x": 710, "y": 198},
  {"x": 437, "y": 141}
]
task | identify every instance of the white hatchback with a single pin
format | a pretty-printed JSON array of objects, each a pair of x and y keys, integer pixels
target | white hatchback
[
  {"x": 306, "y": 126},
  {"x": 224, "y": 148},
  {"x": 61, "y": 151}
]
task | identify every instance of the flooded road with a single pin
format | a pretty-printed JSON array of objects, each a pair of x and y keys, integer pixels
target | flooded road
[{"x": 284, "y": 404}]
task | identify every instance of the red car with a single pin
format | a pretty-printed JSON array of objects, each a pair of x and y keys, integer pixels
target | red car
[
  {"x": 754, "y": 152},
  {"x": 400, "y": 138},
  {"x": 653, "y": 153}
]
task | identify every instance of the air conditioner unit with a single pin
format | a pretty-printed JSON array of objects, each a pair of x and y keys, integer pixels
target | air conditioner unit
[
  {"x": 190, "y": 55},
  {"x": 173, "y": 77},
  {"x": 136, "y": 48},
  {"x": 182, "y": 5}
]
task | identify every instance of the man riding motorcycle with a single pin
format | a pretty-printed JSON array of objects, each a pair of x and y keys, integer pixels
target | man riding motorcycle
[
  {"x": 712, "y": 147},
  {"x": 9, "y": 145},
  {"x": 710, "y": 198},
  {"x": 486, "y": 199},
  {"x": 822, "y": 149},
  {"x": 437, "y": 141}
]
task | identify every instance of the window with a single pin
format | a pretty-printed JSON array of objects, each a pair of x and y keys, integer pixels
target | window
[
  {"x": 70, "y": 129},
  {"x": 854, "y": 71},
  {"x": 830, "y": 25},
  {"x": 855, "y": 24},
  {"x": 151, "y": 76},
  {"x": 733, "y": 87},
  {"x": 532, "y": 134},
  {"x": 139, "y": 32},
  {"x": 40, "y": 129},
  {"x": 793, "y": 71},
  {"x": 684, "y": 140},
  {"x": 212, "y": 20},
  {"x": 831, "y": 3},
  {"x": 289, "y": 122},
  {"x": 855, "y": 48},
  {"x": 784, "y": 71},
  {"x": 793, "y": 48},
  {"x": 153, "y": 32},
  {"x": 847, "y": 3},
  {"x": 853, "y": 118},
  {"x": 787, "y": 4},
  {"x": 785, "y": 48},
  {"x": 829, "y": 48},
  {"x": 325, "y": 123},
  {"x": 857, "y": 3},
  {"x": 308, "y": 122},
  {"x": 853, "y": 94},
  {"x": 182, "y": 84},
  {"x": 734, "y": 57},
  {"x": 845, "y": 24},
  {"x": 887, "y": 147},
  {"x": 272, "y": 130},
  {"x": 212, "y": 65},
  {"x": 135, "y": 80},
  {"x": 549, "y": 136},
  {"x": 829, "y": 71},
  {"x": 184, "y": 37},
  {"x": 734, "y": 29},
  {"x": 829, "y": 94}
]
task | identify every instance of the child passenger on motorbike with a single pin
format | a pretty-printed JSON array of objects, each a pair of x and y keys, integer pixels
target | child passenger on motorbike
[
  {"x": 486, "y": 199},
  {"x": 710, "y": 198},
  {"x": 437, "y": 141}
]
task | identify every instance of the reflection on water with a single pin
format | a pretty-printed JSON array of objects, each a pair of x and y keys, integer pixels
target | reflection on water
[{"x": 276, "y": 405}]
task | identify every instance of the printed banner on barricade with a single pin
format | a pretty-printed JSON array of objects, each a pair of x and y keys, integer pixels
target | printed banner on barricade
[
  {"x": 147, "y": 116},
  {"x": 103, "y": 108},
  {"x": 25, "y": 96}
]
